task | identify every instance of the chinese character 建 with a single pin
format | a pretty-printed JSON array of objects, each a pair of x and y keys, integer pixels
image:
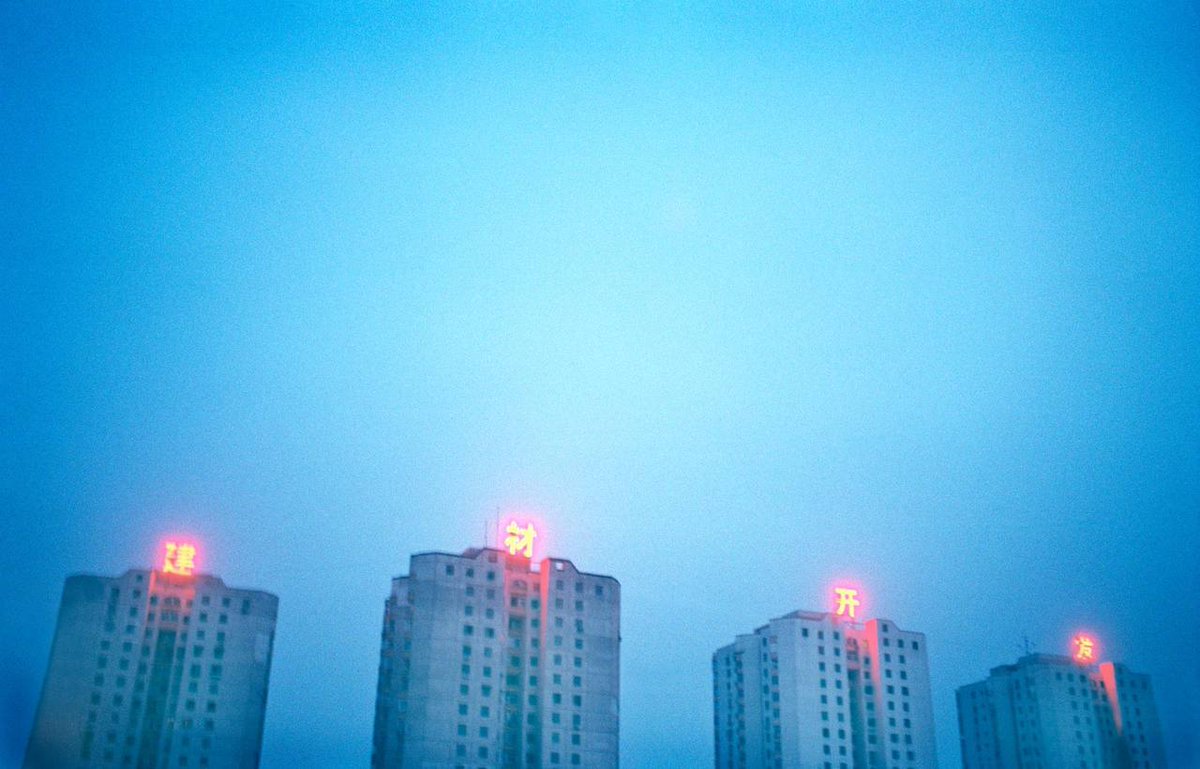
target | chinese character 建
[{"x": 179, "y": 559}]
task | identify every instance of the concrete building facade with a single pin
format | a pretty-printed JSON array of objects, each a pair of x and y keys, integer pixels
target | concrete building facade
[
  {"x": 489, "y": 661},
  {"x": 812, "y": 691},
  {"x": 151, "y": 670},
  {"x": 1049, "y": 712}
]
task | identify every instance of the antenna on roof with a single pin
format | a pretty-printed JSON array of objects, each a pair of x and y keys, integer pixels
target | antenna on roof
[
  {"x": 1026, "y": 645},
  {"x": 489, "y": 527}
]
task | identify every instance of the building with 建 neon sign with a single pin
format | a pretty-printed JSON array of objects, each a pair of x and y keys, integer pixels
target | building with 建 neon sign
[
  {"x": 499, "y": 657},
  {"x": 157, "y": 667},
  {"x": 824, "y": 689}
]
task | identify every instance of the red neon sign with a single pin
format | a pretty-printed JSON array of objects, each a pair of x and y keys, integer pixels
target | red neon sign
[
  {"x": 1085, "y": 649},
  {"x": 847, "y": 602},
  {"x": 179, "y": 558},
  {"x": 519, "y": 539}
]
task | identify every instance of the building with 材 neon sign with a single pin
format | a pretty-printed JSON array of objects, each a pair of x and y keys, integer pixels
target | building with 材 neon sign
[
  {"x": 155, "y": 668},
  {"x": 1050, "y": 711},
  {"x": 492, "y": 660},
  {"x": 824, "y": 690}
]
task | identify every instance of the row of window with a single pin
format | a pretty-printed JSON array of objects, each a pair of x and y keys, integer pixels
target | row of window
[
  {"x": 175, "y": 601},
  {"x": 515, "y": 625},
  {"x": 559, "y": 584}
]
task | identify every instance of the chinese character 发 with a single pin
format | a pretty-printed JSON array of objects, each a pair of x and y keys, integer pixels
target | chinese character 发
[
  {"x": 180, "y": 559},
  {"x": 847, "y": 601},
  {"x": 1085, "y": 649},
  {"x": 520, "y": 539}
]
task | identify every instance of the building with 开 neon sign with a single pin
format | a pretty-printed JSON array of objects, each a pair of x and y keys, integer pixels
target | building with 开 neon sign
[{"x": 824, "y": 690}]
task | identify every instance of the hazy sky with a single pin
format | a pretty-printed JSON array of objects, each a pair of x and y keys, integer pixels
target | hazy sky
[{"x": 737, "y": 301}]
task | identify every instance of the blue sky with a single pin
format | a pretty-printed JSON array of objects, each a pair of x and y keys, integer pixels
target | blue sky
[{"x": 734, "y": 299}]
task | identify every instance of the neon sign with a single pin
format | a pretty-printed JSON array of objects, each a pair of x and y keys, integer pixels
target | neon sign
[
  {"x": 179, "y": 558},
  {"x": 847, "y": 602},
  {"x": 519, "y": 539},
  {"x": 1085, "y": 649}
]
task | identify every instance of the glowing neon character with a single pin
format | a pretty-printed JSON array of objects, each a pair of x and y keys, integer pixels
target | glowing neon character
[
  {"x": 179, "y": 559},
  {"x": 1085, "y": 649},
  {"x": 520, "y": 539},
  {"x": 848, "y": 602}
]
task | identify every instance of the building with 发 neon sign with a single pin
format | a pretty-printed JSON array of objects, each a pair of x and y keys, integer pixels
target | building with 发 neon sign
[
  {"x": 491, "y": 659},
  {"x": 1051, "y": 710}
]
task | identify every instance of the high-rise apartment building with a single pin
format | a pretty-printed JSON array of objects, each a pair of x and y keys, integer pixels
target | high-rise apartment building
[
  {"x": 489, "y": 661},
  {"x": 154, "y": 669},
  {"x": 1055, "y": 712},
  {"x": 821, "y": 691}
]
